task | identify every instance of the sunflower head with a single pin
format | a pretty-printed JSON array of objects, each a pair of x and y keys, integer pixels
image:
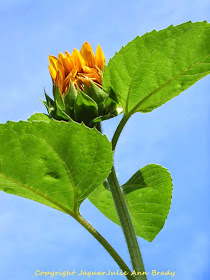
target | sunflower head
[
  {"x": 78, "y": 68},
  {"x": 77, "y": 87}
]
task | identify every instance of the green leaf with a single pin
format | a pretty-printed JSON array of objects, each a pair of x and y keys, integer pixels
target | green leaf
[
  {"x": 154, "y": 68},
  {"x": 148, "y": 195},
  {"x": 39, "y": 117},
  {"x": 57, "y": 163}
]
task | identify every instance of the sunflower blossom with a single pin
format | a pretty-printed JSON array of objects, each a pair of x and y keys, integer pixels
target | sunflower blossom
[{"x": 78, "y": 68}]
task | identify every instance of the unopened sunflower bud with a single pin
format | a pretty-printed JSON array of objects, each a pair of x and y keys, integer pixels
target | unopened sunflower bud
[{"x": 77, "y": 87}]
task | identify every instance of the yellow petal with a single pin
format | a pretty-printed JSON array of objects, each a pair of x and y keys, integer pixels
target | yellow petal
[
  {"x": 56, "y": 64},
  {"x": 93, "y": 74},
  {"x": 87, "y": 54},
  {"x": 100, "y": 58},
  {"x": 87, "y": 69},
  {"x": 52, "y": 72},
  {"x": 71, "y": 76},
  {"x": 68, "y": 56},
  {"x": 61, "y": 68},
  {"x": 74, "y": 72},
  {"x": 59, "y": 81},
  {"x": 77, "y": 59},
  {"x": 66, "y": 64},
  {"x": 53, "y": 61},
  {"x": 67, "y": 79},
  {"x": 97, "y": 76},
  {"x": 84, "y": 80}
]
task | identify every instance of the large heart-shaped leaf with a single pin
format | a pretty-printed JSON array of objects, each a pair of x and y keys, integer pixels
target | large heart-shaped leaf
[
  {"x": 55, "y": 163},
  {"x": 148, "y": 195},
  {"x": 154, "y": 68}
]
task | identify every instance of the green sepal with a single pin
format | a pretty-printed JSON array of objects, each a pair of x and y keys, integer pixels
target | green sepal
[
  {"x": 49, "y": 104},
  {"x": 60, "y": 105},
  {"x": 103, "y": 118},
  {"x": 70, "y": 97},
  {"x": 90, "y": 106},
  {"x": 95, "y": 92},
  {"x": 111, "y": 110},
  {"x": 85, "y": 108},
  {"x": 59, "y": 101},
  {"x": 45, "y": 104},
  {"x": 113, "y": 96},
  {"x": 70, "y": 100},
  {"x": 111, "y": 106},
  {"x": 60, "y": 114}
]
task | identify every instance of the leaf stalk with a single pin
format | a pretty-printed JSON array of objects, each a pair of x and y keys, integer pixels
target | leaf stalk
[
  {"x": 119, "y": 130},
  {"x": 106, "y": 245}
]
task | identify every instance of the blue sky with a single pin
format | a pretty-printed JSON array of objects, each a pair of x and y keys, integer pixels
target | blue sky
[{"x": 33, "y": 236}]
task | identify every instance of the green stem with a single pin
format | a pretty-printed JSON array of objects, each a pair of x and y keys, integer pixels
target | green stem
[
  {"x": 127, "y": 226},
  {"x": 123, "y": 213},
  {"x": 106, "y": 245},
  {"x": 119, "y": 130}
]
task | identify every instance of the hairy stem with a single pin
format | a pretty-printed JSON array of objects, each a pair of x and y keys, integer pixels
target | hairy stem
[
  {"x": 106, "y": 245},
  {"x": 127, "y": 226},
  {"x": 123, "y": 213}
]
